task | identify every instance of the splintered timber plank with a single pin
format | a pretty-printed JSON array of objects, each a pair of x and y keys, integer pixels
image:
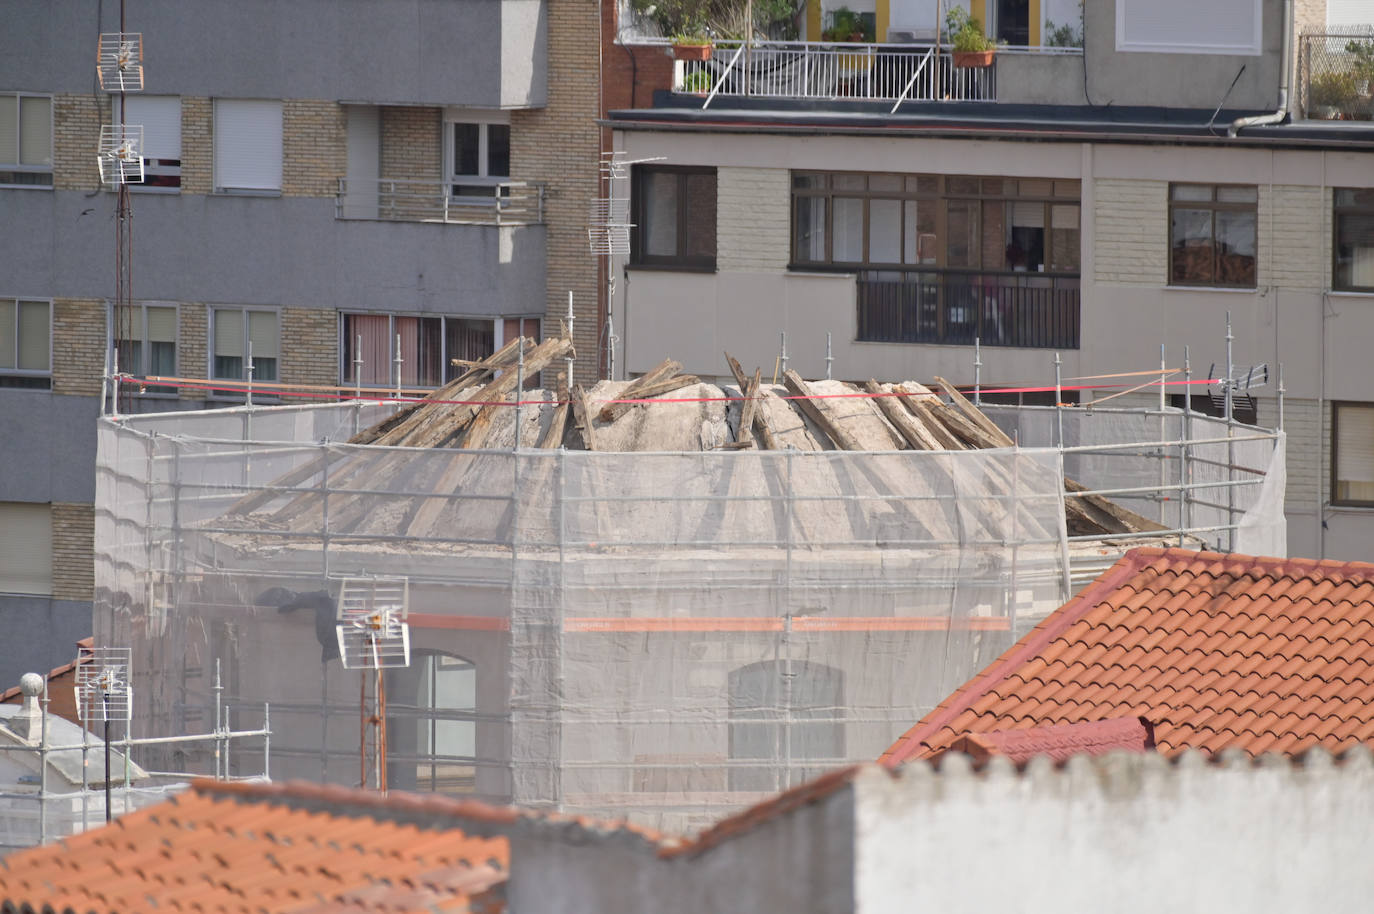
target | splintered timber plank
[
  {"x": 636, "y": 388},
  {"x": 613, "y": 411},
  {"x": 417, "y": 414},
  {"x": 802, "y": 391},
  {"x": 913, "y": 431},
  {"x": 974, "y": 414},
  {"x": 1128, "y": 519},
  {"x": 582, "y": 417},
  {"x": 745, "y": 437},
  {"x": 761, "y": 426},
  {"x": 962, "y": 427},
  {"x": 553, "y": 437},
  {"x": 922, "y": 409}
]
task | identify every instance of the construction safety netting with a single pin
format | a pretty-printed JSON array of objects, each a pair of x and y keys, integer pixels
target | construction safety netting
[{"x": 664, "y": 636}]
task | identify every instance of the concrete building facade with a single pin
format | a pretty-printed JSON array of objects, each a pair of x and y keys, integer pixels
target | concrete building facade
[
  {"x": 1060, "y": 214},
  {"x": 318, "y": 176}
]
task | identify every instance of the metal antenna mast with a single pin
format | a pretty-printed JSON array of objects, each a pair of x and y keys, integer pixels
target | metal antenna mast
[
  {"x": 119, "y": 68},
  {"x": 374, "y": 637}
]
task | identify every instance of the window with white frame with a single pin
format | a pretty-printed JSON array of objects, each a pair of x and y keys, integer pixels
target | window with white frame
[
  {"x": 477, "y": 153},
  {"x": 234, "y": 331},
  {"x": 25, "y": 140},
  {"x": 427, "y": 346},
  {"x": 247, "y": 146},
  {"x": 160, "y": 118},
  {"x": 25, "y": 343},
  {"x": 25, "y": 548},
  {"x": 145, "y": 339}
]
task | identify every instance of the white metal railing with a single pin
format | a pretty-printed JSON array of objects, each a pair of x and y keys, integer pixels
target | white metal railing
[
  {"x": 834, "y": 70},
  {"x": 404, "y": 200}
]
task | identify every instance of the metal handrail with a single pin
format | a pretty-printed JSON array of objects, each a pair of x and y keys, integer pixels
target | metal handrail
[{"x": 411, "y": 200}]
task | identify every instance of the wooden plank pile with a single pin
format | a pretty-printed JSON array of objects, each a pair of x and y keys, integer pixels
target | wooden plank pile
[{"x": 474, "y": 411}]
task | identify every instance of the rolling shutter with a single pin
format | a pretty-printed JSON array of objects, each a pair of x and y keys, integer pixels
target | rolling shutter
[
  {"x": 247, "y": 145},
  {"x": 25, "y": 548}
]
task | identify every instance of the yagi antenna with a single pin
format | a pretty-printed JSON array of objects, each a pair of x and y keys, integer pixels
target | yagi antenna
[
  {"x": 374, "y": 636},
  {"x": 120, "y": 154},
  {"x": 119, "y": 61},
  {"x": 104, "y": 693}
]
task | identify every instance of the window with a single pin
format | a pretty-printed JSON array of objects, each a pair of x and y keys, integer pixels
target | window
[
  {"x": 427, "y": 346},
  {"x": 1352, "y": 454},
  {"x": 25, "y": 343},
  {"x": 1188, "y": 27},
  {"x": 145, "y": 338},
  {"x": 234, "y": 329},
  {"x": 25, "y": 548},
  {"x": 432, "y": 725},
  {"x": 1353, "y": 249},
  {"x": 247, "y": 146},
  {"x": 478, "y": 154},
  {"x": 783, "y": 712},
  {"x": 1212, "y": 235},
  {"x": 25, "y": 140},
  {"x": 1026, "y": 225},
  {"x": 674, "y": 217},
  {"x": 160, "y": 117}
]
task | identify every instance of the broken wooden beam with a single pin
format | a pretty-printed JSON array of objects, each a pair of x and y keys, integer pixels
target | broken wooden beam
[
  {"x": 761, "y": 426},
  {"x": 974, "y": 414},
  {"x": 804, "y": 399},
  {"x": 915, "y": 433},
  {"x": 614, "y": 410}
]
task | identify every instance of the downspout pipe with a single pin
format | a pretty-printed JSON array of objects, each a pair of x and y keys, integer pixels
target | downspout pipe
[{"x": 1282, "y": 114}]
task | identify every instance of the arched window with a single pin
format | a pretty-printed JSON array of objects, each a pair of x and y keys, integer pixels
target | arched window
[
  {"x": 432, "y": 724},
  {"x": 783, "y": 714}
]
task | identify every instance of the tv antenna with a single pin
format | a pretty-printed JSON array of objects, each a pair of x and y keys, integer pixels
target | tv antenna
[
  {"x": 374, "y": 636},
  {"x": 104, "y": 693},
  {"x": 608, "y": 227},
  {"x": 119, "y": 69}
]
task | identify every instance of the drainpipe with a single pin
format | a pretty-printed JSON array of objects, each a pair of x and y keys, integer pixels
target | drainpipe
[{"x": 1279, "y": 115}]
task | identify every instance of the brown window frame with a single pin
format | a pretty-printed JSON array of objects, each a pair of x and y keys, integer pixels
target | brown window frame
[
  {"x": 1337, "y": 211},
  {"x": 1214, "y": 206},
  {"x": 679, "y": 260}
]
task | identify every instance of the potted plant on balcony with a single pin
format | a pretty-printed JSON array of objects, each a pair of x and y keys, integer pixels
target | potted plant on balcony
[
  {"x": 1331, "y": 95},
  {"x": 692, "y": 44},
  {"x": 971, "y": 48}
]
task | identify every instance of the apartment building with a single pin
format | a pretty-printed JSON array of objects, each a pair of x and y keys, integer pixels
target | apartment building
[
  {"x": 1089, "y": 203},
  {"x": 354, "y": 193}
]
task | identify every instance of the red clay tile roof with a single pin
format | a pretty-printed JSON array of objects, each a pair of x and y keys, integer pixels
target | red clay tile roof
[
  {"x": 1214, "y": 651},
  {"x": 1058, "y": 741},
  {"x": 270, "y": 848}
]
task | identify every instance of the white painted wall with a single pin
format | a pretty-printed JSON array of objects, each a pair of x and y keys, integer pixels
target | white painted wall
[{"x": 1131, "y": 833}]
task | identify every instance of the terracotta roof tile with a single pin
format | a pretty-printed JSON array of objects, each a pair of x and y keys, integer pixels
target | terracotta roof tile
[
  {"x": 1218, "y": 651},
  {"x": 263, "y": 848}
]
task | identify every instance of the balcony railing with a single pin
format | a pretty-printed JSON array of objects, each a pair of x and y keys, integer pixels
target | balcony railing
[
  {"x": 1028, "y": 310},
  {"x": 1336, "y": 73},
  {"x": 397, "y": 200},
  {"x": 834, "y": 70}
]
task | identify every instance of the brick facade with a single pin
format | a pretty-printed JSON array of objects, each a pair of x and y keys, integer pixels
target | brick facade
[
  {"x": 561, "y": 145},
  {"x": 314, "y": 148},
  {"x": 73, "y": 543},
  {"x": 753, "y": 212},
  {"x": 1293, "y": 251},
  {"x": 76, "y": 121},
  {"x": 197, "y": 152},
  {"x": 192, "y": 345},
  {"x": 1131, "y": 220},
  {"x": 412, "y": 143},
  {"x": 313, "y": 354},
  {"x": 78, "y": 346}
]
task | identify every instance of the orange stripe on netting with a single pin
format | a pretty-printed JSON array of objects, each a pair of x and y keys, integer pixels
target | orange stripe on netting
[{"x": 590, "y": 624}]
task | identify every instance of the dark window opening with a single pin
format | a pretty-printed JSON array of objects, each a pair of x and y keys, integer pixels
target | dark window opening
[{"x": 674, "y": 217}]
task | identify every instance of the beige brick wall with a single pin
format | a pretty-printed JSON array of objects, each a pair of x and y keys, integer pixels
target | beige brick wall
[
  {"x": 78, "y": 345},
  {"x": 560, "y": 145},
  {"x": 1293, "y": 245},
  {"x": 314, "y": 148},
  {"x": 753, "y": 212},
  {"x": 1131, "y": 244},
  {"x": 73, "y": 543},
  {"x": 310, "y": 346},
  {"x": 76, "y": 121},
  {"x": 192, "y": 340},
  {"x": 197, "y": 151},
  {"x": 412, "y": 142}
]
